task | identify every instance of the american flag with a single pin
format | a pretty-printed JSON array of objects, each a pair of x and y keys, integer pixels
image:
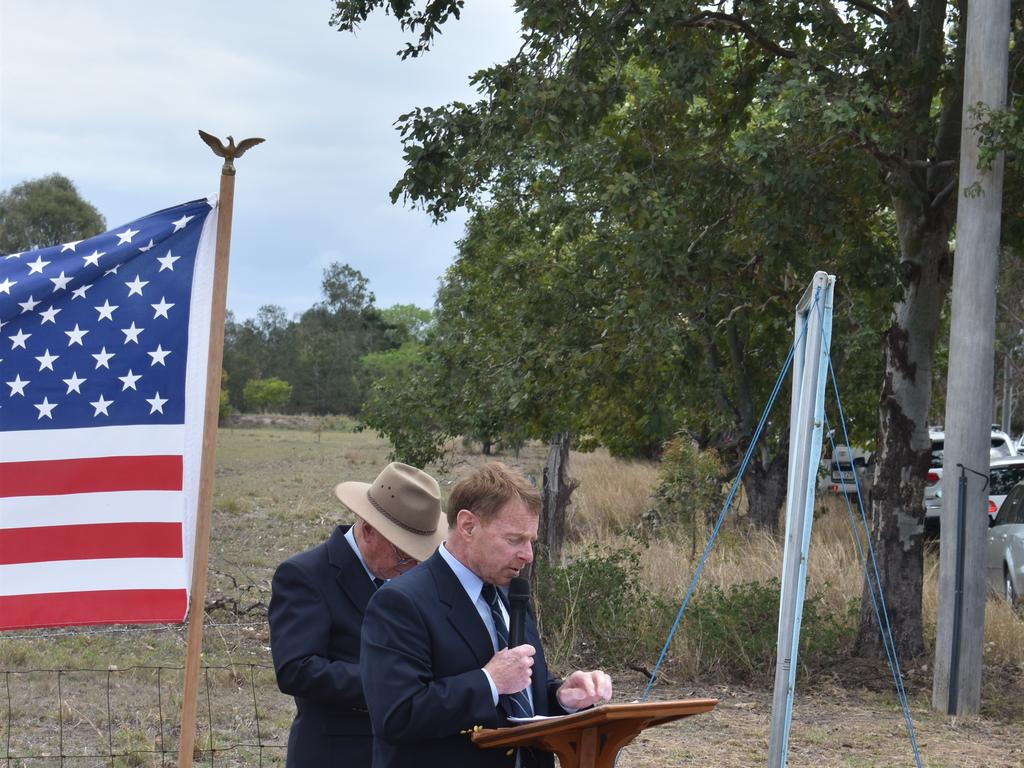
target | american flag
[{"x": 103, "y": 347}]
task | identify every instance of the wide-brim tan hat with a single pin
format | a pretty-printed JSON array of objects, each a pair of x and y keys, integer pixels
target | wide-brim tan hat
[{"x": 403, "y": 504}]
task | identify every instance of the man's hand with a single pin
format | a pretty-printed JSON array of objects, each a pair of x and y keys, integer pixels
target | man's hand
[
  {"x": 511, "y": 668},
  {"x": 583, "y": 689}
]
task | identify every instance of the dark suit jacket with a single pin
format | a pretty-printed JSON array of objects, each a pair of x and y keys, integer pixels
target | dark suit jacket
[
  {"x": 316, "y": 611},
  {"x": 424, "y": 646}
]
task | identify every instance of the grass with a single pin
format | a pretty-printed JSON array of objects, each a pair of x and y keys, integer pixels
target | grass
[{"x": 274, "y": 497}]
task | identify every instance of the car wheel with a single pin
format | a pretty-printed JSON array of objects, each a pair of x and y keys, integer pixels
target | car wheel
[{"x": 1008, "y": 591}]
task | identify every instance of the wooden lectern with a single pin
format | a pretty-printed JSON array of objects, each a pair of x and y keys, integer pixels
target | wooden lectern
[{"x": 592, "y": 738}]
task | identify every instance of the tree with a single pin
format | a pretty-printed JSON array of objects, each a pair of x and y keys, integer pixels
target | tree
[
  {"x": 43, "y": 212},
  {"x": 873, "y": 87},
  {"x": 267, "y": 394}
]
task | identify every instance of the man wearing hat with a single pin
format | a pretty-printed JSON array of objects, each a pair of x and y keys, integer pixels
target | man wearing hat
[{"x": 317, "y": 604}]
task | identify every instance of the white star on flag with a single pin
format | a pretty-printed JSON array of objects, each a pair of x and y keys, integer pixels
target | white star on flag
[
  {"x": 79, "y": 293},
  {"x": 101, "y": 406},
  {"x": 158, "y": 355},
  {"x": 93, "y": 259},
  {"x": 46, "y": 360},
  {"x": 60, "y": 283},
  {"x": 132, "y": 334},
  {"x": 70, "y": 246},
  {"x": 6, "y": 285},
  {"x": 136, "y": 286},
  {"x": 160, "y": 310},
  {"x": 19, "y": 339},
  {"x": 49, "y": 316},
  {"x": 106, "y": 311},
  {"x": 46, "y": 409},
  {"x": 156, "y": 403},
  {"x": 103, "y": 358},
  {"x": 37, "y": 265},
  {"x": 144, "y": 248},
  {"x": 126, "y": 237},
  {"x": 27, "y": 306},
  {"x": 167, "y": 262},
  {"x": 129, "y": 380},
  {"x": 18, "y": 385},
  {"x": 75, "y": 335},
  {"x": 74, "y": 383},
  {"x": 180, "y": 223}
]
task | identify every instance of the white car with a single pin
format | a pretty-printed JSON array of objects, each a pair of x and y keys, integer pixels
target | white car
[
  {"x": 1005, "y": 563},
  {"x": 1002, "y": 448}
]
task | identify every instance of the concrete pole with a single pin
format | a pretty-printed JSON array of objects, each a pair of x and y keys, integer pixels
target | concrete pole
[{"x": 956, "y": 688}]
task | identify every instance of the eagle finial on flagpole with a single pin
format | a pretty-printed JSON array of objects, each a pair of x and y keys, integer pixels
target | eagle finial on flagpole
[{"x": 229, "y": 152}]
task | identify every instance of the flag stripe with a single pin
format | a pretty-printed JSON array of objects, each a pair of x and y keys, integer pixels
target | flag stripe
[
  {"x": 93, "y": 575},
  {"x": 91, "y": 442},
  {"x": 127, "y": 606},
  {"x": 110, "y": 473},
  {"x": 89, "y": 542},
  {"x": 83, "y": 508}
]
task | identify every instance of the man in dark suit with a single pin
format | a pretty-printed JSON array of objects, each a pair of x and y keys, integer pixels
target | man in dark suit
[
  {"x": 434, "y": 656},
  {"x": 317, "y": 606}
]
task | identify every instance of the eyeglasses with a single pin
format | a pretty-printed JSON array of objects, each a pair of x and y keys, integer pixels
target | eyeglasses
[{"x": 401, "y": 557}]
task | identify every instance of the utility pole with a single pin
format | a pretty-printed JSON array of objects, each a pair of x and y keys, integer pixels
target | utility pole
[{"x": 956, "y": 687}]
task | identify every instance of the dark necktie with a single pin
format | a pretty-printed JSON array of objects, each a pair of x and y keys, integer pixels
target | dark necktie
[
  {"x": 514, "y": 704},
  {"x": 378, "y": 583}
]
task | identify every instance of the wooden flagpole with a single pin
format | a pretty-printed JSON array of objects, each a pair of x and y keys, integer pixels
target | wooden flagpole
[{"x": 197, "y": 596}]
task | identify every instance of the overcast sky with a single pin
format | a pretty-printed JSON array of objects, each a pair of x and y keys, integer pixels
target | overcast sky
[{"x": 110, "y": 93}]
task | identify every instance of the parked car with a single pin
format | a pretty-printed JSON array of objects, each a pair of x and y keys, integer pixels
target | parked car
[
  {"x": 1005, "y": 563},
  {"x": 845, "y": 463},
  {"x": 1002, "y": 447}
]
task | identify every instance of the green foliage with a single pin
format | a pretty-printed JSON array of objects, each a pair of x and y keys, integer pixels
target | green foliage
[
  {"x": 224, "y": 408},
  {"x": 689, "y": 482},
  {"x": 402, "y": 404},
  {"x": 409, "y": 322},
  {"x": 318, "y": 352},
  {"x": 595, "y": 608},
  {"x": 734, "y": 631},
  {"x": 43, "y": 212},
  {"x": 267, "y": 394}
]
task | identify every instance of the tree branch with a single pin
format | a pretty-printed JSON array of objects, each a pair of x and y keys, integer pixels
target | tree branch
[
  {"x": 713, "y": 18},
  {"x": 871, "y": 8}
]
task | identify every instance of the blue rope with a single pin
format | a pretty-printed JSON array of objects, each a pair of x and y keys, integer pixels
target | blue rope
[
  {"x": 727, "y": 505},
  {"x": 874, "y": 584},
  {"x": 888, "y": 641}
]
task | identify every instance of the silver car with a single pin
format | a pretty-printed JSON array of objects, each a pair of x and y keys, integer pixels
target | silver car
[
  {"x": 1005, "y": 563},
  {"x": 1001, "y": 449}
]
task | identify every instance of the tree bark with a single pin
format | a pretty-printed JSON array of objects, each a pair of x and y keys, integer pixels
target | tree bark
[
  {"x": 765, "y": 484},
  {"x": 556, "y": 491},
  {"x": 923, "y": 183},
  {"x": 904, "y": 450}
]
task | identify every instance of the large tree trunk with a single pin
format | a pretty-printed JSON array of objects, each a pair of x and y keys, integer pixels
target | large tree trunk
[
  {"x": 924, "y": 182},
  {"x": 765, "y": 483},
  {"x": 556, "y": 491},
  {"x": 904, "y": 450}
]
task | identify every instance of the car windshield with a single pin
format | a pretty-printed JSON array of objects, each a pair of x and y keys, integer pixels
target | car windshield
[
  {"x": 1002, "y": 479},
  {"x": 999, "y": 449}
]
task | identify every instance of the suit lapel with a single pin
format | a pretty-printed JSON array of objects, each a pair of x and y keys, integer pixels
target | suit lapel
[
  {"x": 462, "y": 614},
  {"x": 349, "y": 572}
]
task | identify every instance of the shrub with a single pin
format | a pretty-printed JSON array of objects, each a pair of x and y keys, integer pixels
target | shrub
[
  {"x": 689, "y": 483},
  {"x": 267, "y": 394},
  {"x": 732, "y": 632},
  {"x": 595, "y": 609}
]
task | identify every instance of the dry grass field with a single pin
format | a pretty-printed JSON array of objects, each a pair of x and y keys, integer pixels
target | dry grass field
[{"x": 274, "y": 497}]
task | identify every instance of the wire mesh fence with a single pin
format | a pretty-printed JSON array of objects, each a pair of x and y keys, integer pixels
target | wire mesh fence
[{"x": 124, "y": 716}]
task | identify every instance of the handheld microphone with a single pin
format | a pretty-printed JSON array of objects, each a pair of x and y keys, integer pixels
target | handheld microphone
[{"x": 519, "y": 601}]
